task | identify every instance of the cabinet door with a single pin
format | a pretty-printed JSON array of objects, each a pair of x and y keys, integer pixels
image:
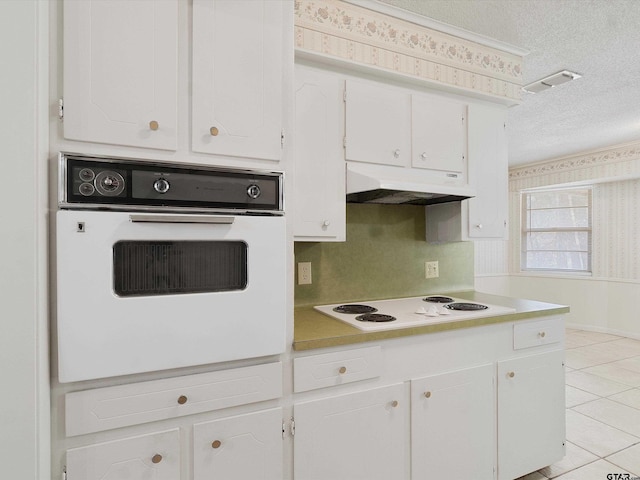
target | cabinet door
[
  {"x": 531, "y": 413},
  {"x": 319, "y": 169},
  {"x": 241, "y": 447},
  {"x": 154, "y": 456},
  {"x": 120, "y": 72},
  {"x": 350, "y": 437},
  {"x": 439, "y": 139},
  {"x": 453, "y": 425},
  {"x": 488, "y": 172},
  {"x": 237, "y": 78},
  {"x": 378, "y": 124}
]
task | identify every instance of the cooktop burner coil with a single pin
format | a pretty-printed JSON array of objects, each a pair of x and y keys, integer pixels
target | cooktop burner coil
[
  {"x": 355, "y": 309},
  {"x": 375, "y": 317},
  {"x": 438, "y": 299},
  {"x": 468, "y": 307}
]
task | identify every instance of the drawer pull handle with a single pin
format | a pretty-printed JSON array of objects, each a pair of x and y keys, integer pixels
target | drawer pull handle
[
  {"x": 182, "y": 399},
  {"x": 157, "y": 458},
  {"x": 396, "y": 153},
  {"x": 542, "y": 334},
  {"x": 214, "y": 131},
  {"x": 153, "y": 125},
  {"x": 342, "y": 370},
  {"x": 394, "y": 404},
  {"x": 427, "y": 394},
  {"x": 216, "y": 444},
  {"x": 511, "y": 374}
]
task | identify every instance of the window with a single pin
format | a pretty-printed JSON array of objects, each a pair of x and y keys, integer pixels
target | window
[{"x": 556, "y": 231}]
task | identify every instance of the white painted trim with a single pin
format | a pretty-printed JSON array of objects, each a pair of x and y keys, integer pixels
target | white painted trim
[
  {"x": 561, "y": 277},
  {"x": 579, "y": 277},
  {"x": 423, "y": 21},
  {"x": 25, "y": 437},
  {"x": 43, "y": 387}
]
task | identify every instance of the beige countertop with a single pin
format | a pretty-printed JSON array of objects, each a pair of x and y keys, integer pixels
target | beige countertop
[{"x": 315, "y": 330}]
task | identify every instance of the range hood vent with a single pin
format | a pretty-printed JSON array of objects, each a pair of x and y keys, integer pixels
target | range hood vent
[{"x": 404, "y": 186}]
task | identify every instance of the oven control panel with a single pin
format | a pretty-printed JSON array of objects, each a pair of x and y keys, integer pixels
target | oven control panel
[
  {"x": 122, "y": 184},
  {"x": 96, "y": 181}
]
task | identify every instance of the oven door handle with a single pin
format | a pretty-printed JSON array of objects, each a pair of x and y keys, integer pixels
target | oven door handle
[{"x": 142, "y": 218}]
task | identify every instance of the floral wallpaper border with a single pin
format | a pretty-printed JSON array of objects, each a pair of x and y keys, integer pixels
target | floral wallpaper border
[
  {"x": 359, "y": 35},
  {"x": 617, "y": 161}
]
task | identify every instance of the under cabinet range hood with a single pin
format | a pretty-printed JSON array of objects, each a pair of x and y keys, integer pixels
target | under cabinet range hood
[{"x": 399, "y": 185}]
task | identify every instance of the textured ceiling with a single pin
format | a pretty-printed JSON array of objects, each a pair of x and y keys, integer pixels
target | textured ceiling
[{"x": 599, "y": 39}]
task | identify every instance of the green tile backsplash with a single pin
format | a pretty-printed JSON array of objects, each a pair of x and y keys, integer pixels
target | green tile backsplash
[{"x": 383, "y": 257}]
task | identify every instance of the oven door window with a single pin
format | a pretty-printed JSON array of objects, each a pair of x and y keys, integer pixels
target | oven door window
[{"x": 148, "y": 268}]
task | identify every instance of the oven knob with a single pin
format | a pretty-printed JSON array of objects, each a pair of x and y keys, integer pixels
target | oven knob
[
  {"x": 86, "y": 189},
  {"x": 86, "y": 175},
  {"x": 253, "y": 191},
  {"x": 109, "y": 184},
  {"x": 161, "y": 185}
]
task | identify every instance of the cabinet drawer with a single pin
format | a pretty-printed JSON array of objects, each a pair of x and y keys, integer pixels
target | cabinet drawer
[
  {"x": 318, "y": 371},
  {"x": 539, "y": 332},
  {"x": 154, "y": 456},
  {"x": 113, "y": 407}
]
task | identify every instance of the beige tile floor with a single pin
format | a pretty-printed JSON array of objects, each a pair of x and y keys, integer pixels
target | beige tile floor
[{"x": 603, "y": 409}]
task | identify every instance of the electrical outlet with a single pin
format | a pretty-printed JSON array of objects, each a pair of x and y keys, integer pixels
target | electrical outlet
[
  {"x": 431, "y": 270},
  {"x": 304, "y": 273}
]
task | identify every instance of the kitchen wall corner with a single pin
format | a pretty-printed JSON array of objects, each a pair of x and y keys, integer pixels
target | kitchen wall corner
[{"x": 383, "y": 257}]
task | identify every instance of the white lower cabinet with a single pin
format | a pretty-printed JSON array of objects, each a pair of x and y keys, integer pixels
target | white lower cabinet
[
  {"x": 155, "y": 456},
  {"x": 354, "y": 436},
  {"x": 482, "y": 403},
  {"x": 242, "y": 446},
  {"x": 239, "y": 448},
  {"x": 531, "y": 413},
  {"x": 453, "y": 425}
]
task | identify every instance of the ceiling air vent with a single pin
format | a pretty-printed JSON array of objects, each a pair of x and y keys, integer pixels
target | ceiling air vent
[{"x": 551, "y": 81}]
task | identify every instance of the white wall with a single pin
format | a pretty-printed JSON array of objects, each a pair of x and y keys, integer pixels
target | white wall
[
  {"x": 24, "y": 406},
  {"x": 599, "y": 305},
  {"x": 605, "y": 300}
]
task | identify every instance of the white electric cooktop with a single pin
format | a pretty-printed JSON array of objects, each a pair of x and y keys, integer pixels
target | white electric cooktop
[{"x": 410, "y": 312}]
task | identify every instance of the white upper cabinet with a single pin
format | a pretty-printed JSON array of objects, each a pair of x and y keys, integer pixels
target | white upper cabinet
[
  {"x": 125, "y": 82},
  {"x": 488, "y": 172},
  {"x": 120, "y": 72},
  {"x": 237, "y": 78},
  {"x": 485, "y": 215},
  {"x": 319, "y": 167},
  {"x": 393, "y": 126},
  {"x": 439, "y": 133},
  {"x": 378, "y": 124}
]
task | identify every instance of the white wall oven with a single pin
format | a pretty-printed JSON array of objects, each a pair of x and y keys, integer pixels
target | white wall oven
[{"x": 162, "y": 266}]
